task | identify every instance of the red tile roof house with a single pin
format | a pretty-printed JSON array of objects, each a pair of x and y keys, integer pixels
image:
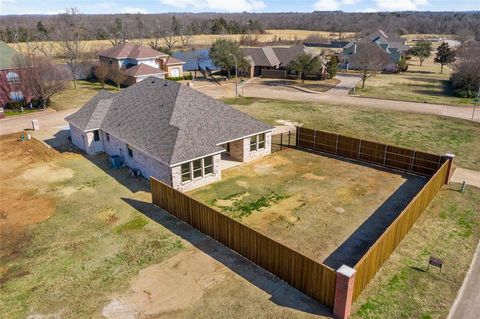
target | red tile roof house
[
  {"x": 169, "y": 131},
  {"x": 140, "y": 62}
]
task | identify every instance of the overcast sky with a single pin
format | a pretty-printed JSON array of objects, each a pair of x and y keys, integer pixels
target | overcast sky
[{"x": 158, "y": 6}]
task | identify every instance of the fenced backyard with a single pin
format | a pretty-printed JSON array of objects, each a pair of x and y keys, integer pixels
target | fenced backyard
[{"x": 314, "y": 278}]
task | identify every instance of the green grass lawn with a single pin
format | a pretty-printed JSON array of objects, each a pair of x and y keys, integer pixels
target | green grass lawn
[
  {"x": 403, "y": 288},
  {"x": 427, "y": 133},
  {"x": 419, "y": 84},
  {"x": 73, "y": 98},
  {"x": 9, "y": 112}
]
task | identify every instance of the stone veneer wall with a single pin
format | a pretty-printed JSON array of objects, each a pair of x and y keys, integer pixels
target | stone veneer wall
[
  {"x": 82, "y": 140},
  {"x": 240, "y": 149},
  {"x": 187, "y": 186},
  {"x": 145, "y": 163}
]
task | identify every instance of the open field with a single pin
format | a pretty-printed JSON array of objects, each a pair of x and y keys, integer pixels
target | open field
[
  {"x": 80, "y": 240},
  {"x": 419, "y": 84},
  {"x": 312, "y": 203},
  {"x": 74, "y": 98},
  {"x": 196, "y": 40},
  {"x": 427, "y": 133},
  {"x": 403, "y": 288}
]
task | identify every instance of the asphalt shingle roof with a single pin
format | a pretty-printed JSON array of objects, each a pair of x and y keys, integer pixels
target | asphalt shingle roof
[
  {"x": 132, "y": 51},
  {"x": 143, "y": 69},
  {"x": 167, "y": 120}
]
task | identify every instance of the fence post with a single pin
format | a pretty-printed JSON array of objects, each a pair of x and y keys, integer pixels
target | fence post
[
  {"x": 281, "y": 141},
  {"x": 413, "y": 161},
  {"x": 385, "y": 155},
  {"x": 336, "y": 146},
  {"x": 342, "y": 305},
  {"x": 297, "y": 129},
  {"x": 289, "y": 137},
  {"x": 450, "y": 157}
]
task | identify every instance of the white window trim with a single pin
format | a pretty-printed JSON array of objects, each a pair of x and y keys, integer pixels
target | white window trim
[
  {"x": 257, "y": 143},
  {"x": 202, "y": 169}
]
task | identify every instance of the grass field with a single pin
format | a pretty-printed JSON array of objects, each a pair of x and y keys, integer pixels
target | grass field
[
  {"x": 403, "y": 288},
  {"x": 196, "y": 40},
  {"x": 291, "y": 195},
  {"x": 73, "y": 98},
  {"x": 421, "y": 132},
  {"x": 419, "y": 84}
]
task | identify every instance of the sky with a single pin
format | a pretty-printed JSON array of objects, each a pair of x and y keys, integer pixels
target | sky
[{"x": 159, "y": 6}]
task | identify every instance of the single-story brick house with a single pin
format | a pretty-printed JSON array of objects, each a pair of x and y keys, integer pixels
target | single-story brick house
[{"x": 169, "y": 131}]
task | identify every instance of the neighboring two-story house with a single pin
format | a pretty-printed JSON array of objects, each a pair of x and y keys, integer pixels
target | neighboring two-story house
[
  {"x": 10, "y": 81},
  {"x": 139, "y": 62},
  {"x": 169, "y": 131}
]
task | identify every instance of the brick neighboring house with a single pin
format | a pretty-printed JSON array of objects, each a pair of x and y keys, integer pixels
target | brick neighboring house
[
  {"x": 139, "y": 62},
  {"x": 271, "y": 58},
  {"x": 392, "y": 44},
  {"x": 169, "y": 131},
  {"x": 10, "y": 81}
]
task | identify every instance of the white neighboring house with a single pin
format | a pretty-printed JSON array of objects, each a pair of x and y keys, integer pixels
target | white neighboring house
[
  {"x": 169, "y": 131},
  {"x": 139, "y": 62}
]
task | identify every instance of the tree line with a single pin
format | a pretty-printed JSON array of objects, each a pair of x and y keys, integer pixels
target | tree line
[{"x": 23, "y": 28}]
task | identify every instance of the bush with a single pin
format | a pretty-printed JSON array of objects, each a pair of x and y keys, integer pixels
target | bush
[
  {"x": 180, "y": 78},
  {"x": 464, "y": 85},
  {"x": 402, "y": 65}
]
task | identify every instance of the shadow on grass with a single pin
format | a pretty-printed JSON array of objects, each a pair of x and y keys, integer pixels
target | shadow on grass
[
  {"x": 281, "y": 293},
  {"x": 358, "y": 243}
]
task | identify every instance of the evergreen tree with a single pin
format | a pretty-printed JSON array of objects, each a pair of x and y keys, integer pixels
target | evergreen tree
[
  {"x": 332, "y": 67},
  {"x": 445, "y": 55}
]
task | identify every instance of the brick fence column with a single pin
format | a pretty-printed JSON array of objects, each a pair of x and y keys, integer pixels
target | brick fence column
[
  {"x": 450, "y": 157},
  {"x": 342, "y": 305}
]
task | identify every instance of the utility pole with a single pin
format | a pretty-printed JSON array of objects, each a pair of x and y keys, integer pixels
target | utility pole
[
  {"x": 236, "y": 76},
  {"x": 476, "y": 102}
]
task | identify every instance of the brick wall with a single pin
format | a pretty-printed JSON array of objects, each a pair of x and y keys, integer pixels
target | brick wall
[
  {"x": 187, "y": 186},
  {"x": 82, "y": 140},
  {"x": 145, "y": 163},
  {"x": 240, "y": 149}
]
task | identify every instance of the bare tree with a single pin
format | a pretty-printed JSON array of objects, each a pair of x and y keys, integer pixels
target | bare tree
[
  {"x": 101, "y": 73},
  {"x": 71, "y": 45},
  {"x": 41, "y": 78},
  {"x": 186, "y": 34},
  {"x": 368, "y": 57},
  {"x": 117, "y": 76},
  {"x": 116, "y": 32}
]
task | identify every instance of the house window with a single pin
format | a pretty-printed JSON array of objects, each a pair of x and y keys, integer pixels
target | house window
[
  {"x": 261, "y": 141},
  {"x": 197, "y": 169},
  {"x": 107, "y": 137},
  {"x": 253, "y": 143},
  {"x": 208, "y": 165},
  {"x": 13, "y": 77},
  {"x": 257, "y": 142},
  {"x": 175, "y": 72},
  {"x": 96, "y": 136},
  {"x": 186, "y": 172},
  {"x": 16, "y": 95},
  {"x": 129, "y": 151}
]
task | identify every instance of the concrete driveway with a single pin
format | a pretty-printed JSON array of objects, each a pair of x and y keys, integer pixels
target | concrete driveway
[{"x": 47, "y": 119}]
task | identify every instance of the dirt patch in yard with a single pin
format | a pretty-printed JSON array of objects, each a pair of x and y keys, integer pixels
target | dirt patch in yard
[{"x": 168, "y": 288}]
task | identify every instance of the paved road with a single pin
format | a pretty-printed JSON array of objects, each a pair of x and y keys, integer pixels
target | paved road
[
  {"x": 338, "y": 96},
  {"x": 467, "y": 304},
  {"x": 46, "y": 119},
  {"x": 469, "y": 176}
]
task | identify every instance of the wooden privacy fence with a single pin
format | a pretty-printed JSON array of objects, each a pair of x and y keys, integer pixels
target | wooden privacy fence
[
  {"x": 371, "y": 262},
  {"x": 312, "y": 278},
  {"x": 366, "y": 151}
]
